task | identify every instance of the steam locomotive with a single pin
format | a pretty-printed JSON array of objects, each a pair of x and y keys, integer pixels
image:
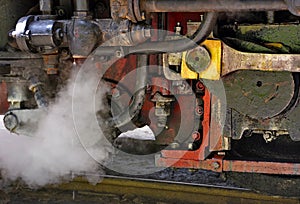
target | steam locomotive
[{"x": 217, "y": 81}]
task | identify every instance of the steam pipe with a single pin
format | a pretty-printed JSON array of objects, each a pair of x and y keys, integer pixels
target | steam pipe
[
  {"x": 81, "y": 5},
  {"x": 211, "y": 5},
  {"x": 204, "y": 30}
]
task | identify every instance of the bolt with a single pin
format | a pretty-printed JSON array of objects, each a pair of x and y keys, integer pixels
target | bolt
[
  {"x": 143, "y": 15},
  {"x": 215, "y": 165},
  {"x": 174, "y": 145},
  {"x": 201, "y": 17},
  {"x": 200, "y": 86},
  {"x": 61, "y": 12},
  {"x": 196, "y": 136},
  {"x": 199, "y": 110},
  {"x": 64, "y": 53},
  {"x": 221, "y": 153},
  {"x": 118, "y": 54},
  {"x": 190, "y": 146}
]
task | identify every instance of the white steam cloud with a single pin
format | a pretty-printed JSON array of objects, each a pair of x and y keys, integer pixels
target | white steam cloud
[{"x": 55, "y": 150}]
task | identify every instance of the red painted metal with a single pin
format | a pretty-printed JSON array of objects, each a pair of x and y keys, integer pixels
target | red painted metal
[
  {"x": 173, "y": 18},
  {"x": 219, "y": 165},
  {"x": 202, "y": 152},
  {"x": 213, "y": 142},
  {"x": 211, "y": 164},
  {"x": 262, "y": 167},
  {"x": 4, "y": 105}
]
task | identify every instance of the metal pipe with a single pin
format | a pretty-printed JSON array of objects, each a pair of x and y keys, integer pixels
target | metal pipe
[
  {"x": 46, "y": 6},
  {"x": 211, "y": 5},
  {"x": 180, "y": 45},
  {"x": 81, "y": 5},
  {"x": 204, "y": 30},
  {"x": 39, "y": 95}
]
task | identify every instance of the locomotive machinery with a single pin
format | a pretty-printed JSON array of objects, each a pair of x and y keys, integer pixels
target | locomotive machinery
[{"x": 219, "y": 84}]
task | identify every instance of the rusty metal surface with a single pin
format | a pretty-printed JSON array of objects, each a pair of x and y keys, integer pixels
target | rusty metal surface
[
  {"x": 183, "y": 160},
  {"x": 262, "y": 167},
  {"x": 234, "y": 60},
  {"x": 259, "y": 94},
  {"x": 3, "y": 98},
  {"x": 128, "y": 190},
  {"x": 211, "y": 5},
  {"x": 262, "y": 38}
]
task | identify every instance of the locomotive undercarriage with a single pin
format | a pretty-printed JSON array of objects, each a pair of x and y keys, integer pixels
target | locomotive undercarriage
[{"x": 221, "y": 93}]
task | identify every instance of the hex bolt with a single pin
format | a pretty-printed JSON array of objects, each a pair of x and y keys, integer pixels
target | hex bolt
[
  {"x": 216, "y": 165},
  {"x": 199, "y": 110},
  {"x": 196, "y": 136},
  {"x": 118, "y": 54}
]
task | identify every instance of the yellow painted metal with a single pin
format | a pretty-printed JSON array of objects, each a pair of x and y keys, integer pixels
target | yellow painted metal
[
  {"x": 213, "y": 71},
  {"x": 172, "y": 192},
  {"x": 186, "y": 73}
]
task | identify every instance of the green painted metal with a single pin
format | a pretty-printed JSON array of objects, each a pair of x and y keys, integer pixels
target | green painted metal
[{"x": 264, "y": 38}]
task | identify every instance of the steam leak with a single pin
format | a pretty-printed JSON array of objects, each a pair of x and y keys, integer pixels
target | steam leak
[{"x": 54, "y": 151}]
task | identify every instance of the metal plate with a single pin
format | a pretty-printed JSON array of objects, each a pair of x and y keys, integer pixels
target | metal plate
[{"x": 258, "y": 94}]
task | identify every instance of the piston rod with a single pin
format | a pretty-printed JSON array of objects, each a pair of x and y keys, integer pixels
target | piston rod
[{"x": 211, "y": 5}]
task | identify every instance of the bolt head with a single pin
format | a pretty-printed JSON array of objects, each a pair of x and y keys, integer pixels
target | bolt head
[
  {"x": 118, "y": 54},
  {"x": 147, "y": 32},
  {"x": 143, "y": 15},
  {"x": 196, "y": 135},
  {"x": 216, "y": 165}
]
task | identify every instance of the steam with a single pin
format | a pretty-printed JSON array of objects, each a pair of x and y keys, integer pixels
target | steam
[{"x": 55, "y": 150}]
